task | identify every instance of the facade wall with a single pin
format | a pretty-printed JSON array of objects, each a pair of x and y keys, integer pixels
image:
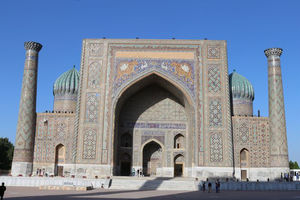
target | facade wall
[
  {"x": 53, "y": 129},
  {"x": 197, "y": 68},
  {"x": 253, "y": 134}
]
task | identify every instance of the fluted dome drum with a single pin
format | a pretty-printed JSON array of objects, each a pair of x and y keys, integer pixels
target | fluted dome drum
[
  {"x": 242, "y": 95},
  {"x": 65, "y": 91}
]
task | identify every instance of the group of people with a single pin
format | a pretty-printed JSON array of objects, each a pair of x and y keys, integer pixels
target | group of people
[
  {"x": 138, "y": 172},
  {"x": 217, "y": 185}
]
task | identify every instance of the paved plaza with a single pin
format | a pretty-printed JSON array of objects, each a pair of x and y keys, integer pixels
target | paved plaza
[{"x": 36, "y": 194}]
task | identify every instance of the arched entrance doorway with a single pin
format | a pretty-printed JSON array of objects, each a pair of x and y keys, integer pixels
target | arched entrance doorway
[
  {"x": 125, "y": 164},
  {"x": 59, "y": 160},
  {"x": 152, "y": 109},
  {"x": 152, "y": 158},
  {"x": 244, "y": 163},
  {"x": 178, "y": 165}
]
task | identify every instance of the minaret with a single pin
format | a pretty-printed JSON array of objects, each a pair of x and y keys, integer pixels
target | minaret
[
  {"x": 278, "y": 142},
  {"x": 23, "y": 152}
]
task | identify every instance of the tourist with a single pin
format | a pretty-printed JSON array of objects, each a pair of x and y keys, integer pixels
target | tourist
[
  {"x": 203, "y": 186},
  {"x": 219, "y": 186},
  {"x": 297, "y": 175},
  {"x": 209, "y": 187},
  {"x": 2, "y": 190}
]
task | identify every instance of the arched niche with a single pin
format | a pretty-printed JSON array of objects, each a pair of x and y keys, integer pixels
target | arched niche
[
  {"x": 178, "y": 165},
  {"x": 151, "y": 86},
  {"x": 152, "y": 158},
  {"x": 179, "y": 141},
  {"x": 244, "y": 163},
  {"x": 60, "y": 154}
]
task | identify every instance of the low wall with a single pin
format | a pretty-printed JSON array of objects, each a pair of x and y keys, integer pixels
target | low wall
[
  {"x": 106, "y": 183},
  {"x": 57, "y": 181},
  {"x": 256, "y": 186}
]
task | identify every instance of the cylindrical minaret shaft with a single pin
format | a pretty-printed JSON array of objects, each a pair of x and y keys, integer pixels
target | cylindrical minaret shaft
[
  {"x": 23, "y": 152},
  {"x": 278, "y": 142}
]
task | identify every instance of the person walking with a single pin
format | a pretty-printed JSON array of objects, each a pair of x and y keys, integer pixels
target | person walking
[
  {"x": 2, "y": 190},
  {"x": 217, "y": 186},
  {"x": 209, "y": 187}
]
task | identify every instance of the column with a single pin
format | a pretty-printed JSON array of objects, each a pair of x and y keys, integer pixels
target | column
[
  {"x": 24, "y": 144},
  {"x": 278, "y": 137}
]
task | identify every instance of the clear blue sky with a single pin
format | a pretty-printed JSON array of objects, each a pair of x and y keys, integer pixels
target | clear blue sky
[{"x": 248, "y": 26}]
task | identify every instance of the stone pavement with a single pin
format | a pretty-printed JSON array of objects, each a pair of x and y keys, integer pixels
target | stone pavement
[{"x": 26, "y": 193}]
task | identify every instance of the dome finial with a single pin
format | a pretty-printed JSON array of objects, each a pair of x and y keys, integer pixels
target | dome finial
[
  {"x": 73, "y": 66},
  {"x": 233, "y": 70}
]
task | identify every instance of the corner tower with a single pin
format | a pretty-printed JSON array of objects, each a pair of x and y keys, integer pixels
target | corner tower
[
  {"x": 279, "y": 149},
  {"x": 23, "y": 153}
]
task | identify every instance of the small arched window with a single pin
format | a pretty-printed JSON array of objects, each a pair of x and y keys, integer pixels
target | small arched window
[{"x": 179, "y": 141}]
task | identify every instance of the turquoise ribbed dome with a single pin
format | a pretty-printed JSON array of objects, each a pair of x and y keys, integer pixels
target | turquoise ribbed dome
[
  {"x": 240, "y": 87},
  {"x": 67, "y": 83}
]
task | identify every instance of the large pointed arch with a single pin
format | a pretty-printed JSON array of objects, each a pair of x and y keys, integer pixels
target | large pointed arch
[{"x": 167, "y": 83}]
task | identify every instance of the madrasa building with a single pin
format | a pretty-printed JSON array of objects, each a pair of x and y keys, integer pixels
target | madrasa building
[{"x": 161, "y": 108}]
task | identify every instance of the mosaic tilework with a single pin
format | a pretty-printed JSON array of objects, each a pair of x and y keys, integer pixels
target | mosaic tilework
[
  {"x": 128, "y": 69},
  {"x": 213, "y": 52},
  {"x": 53, "y": 129},
  {"x": 95, "y": 49},
  {"x": 214, "y": 79},
  {"x": 26, "y": 120},
  {"x": 244, "y": 132},
  {"x": 277, "y": 117},
  {"x": 89, "y": 144},
  {"x": 215, "y": 113},
  {"x": 216, "y": 147},
  {"x": 60, "y": 129},
  {"x": 255, "y": 131},
  {"x": 94, "y": 75},
  {"x": 92, "y": 105},
  {"x": 155, "y": 125}
]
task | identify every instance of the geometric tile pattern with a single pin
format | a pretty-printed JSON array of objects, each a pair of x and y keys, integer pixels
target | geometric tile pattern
[
  {"x": 92, "y": 106},
  {"x": 215, "y": 113},
  {"x": 216, "y": 147},
  {"x": 89, "y": 144},
  {"x": 213, "y": 52},
  {"x": 252, "y": 134},
  {"x": 214, "y": 80},
  {"x": 26, "y": 119},
  {"x": 277, "y": 117},
  {"x": 244, "y": 132},
  {"x": 53, "y": 129},
  {"x": 95, "y": 49},
  {"x": 94, "y": 75}
]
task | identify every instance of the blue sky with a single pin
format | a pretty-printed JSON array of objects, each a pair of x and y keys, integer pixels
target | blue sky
[{"x": 249, "y": 27}]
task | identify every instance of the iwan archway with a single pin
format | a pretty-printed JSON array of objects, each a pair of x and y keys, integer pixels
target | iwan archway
[{"x": 149, "y": 115}]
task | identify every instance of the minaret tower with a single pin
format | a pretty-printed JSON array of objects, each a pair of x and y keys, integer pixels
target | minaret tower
[
  {"x": 23, "y": 152},
  {"x": 278, "y": 143}
]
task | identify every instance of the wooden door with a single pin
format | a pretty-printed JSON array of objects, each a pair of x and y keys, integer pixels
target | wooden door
[
  {"x": 244, "y": 174},
  {"x": 60, "y": 170}
]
